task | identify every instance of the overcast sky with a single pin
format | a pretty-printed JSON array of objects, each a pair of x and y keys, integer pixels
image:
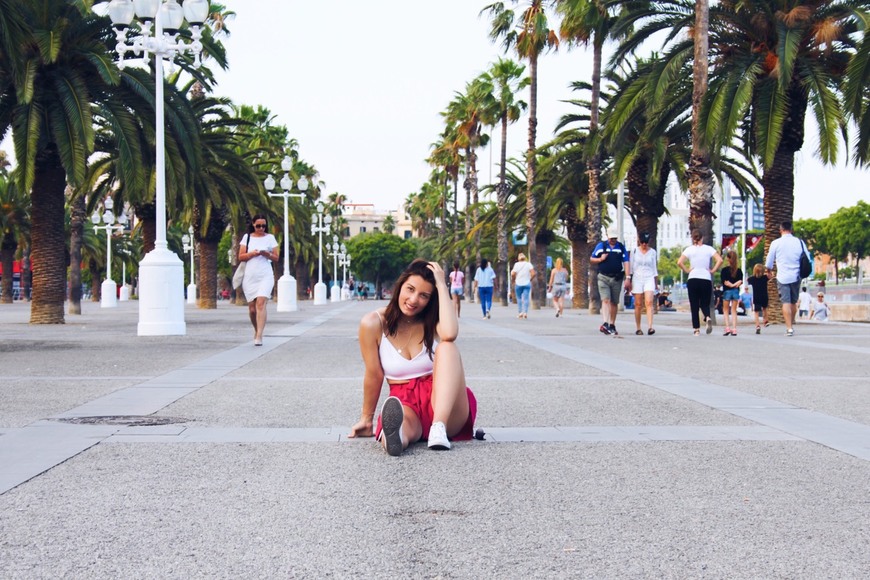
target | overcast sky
[{"x": 360, "y": 86}]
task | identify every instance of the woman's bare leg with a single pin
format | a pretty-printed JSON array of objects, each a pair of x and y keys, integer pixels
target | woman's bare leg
[
  {"x": 648, "y": 299},
  {"x": 449, "y": 397},
  {"x": 252, "y": 314},
  {"x": 637, "y": 298},
  {"x": 261, "y": 316}
]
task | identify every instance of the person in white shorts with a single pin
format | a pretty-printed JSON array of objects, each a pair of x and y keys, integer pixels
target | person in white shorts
[{"x": 644, "y": 280}]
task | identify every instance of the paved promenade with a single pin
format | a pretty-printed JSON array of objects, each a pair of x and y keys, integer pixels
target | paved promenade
[{"x": 202, "y": 456}]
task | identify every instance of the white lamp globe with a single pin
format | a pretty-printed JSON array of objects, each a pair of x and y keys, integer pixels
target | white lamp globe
[
  {"x": 146, "y": 10},
  {"x": 171, "y": 16},
  {"x": 287, "y": 163},
  {"x": 269, "y": 183},
  {"x": 121, "y": 12},
  {"x": 302, "y": 184},
  {"x": 196, "y": 11}
]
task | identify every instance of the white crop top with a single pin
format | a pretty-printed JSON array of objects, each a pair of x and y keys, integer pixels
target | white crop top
[{"x": 398, "y": 368}]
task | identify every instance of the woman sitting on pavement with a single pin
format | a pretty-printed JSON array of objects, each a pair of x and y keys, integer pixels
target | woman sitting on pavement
[{"x": 410, "y": 342}]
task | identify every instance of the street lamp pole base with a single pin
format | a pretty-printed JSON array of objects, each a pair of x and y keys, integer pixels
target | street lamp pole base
[
  {"x": 287, "y": 294},
  {"x": 191, "y": 293},
  {"x": 335, "y": 293},
  {"x": 161, "y": 294},
  {"x": 319, "y": 294},
  {"x": 108, "y": 294}
]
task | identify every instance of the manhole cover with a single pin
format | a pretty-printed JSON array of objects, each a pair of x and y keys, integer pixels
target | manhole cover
[{"x": 126, "y": 420}]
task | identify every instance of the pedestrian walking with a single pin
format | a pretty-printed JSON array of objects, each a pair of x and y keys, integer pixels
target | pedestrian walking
[
  {"x": 558, "y": 286},
  {"x": 732, "y": 279},
  {"x": 613, "y": 271},
  {"x": 804, "y": 301},
  {"x": 820, "y": 309},
  {"x": 700, "y": 281},
  {"x": 522, "y": 275},
  {"x": 457, "y": 281},
  {"x": 411, "y": 343},
  {"x": 760, "y": 300},
  {"x": 484, "y": 285},
  {"x": 644, "y": 281},
  {"x": 784, "y": 256},
  {"x": 259, "y": 250}
]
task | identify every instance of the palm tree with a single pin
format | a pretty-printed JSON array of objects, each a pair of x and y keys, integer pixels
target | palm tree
[
  {"x": 585, "y": 22},
  {"x": 772, "y": 60},
  {"x": 507, "y": 80},
  {"x": 530, "y": 37},
  {"x": 467, "y": 112},
  {"x": 46, "y": 97}
]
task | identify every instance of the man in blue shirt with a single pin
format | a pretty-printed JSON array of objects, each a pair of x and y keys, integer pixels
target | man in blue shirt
[{"x": 614, "y": 273}]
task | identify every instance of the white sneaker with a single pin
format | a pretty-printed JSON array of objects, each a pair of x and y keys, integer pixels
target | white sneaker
[
  {"x": 392, "y": 415},
  {"x": 438, "y": 437}
]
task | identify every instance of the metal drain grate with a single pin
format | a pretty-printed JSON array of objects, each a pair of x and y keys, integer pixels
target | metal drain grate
[{"x": 125, "y": 420}]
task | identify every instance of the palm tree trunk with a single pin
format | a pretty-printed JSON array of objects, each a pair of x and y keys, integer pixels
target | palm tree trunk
[
  {"x": 303, "y": 279},
  {"x": 501, "y": 205},
  {"x": 47, "y": 238},
  {"x": 76, "y": 237},
  {"x": 699, "y": 175},
  {"x": 588, "y": 278},
  {"x": 147, "y": 214},
  {"x": 7, "y": 259},
  {"x": 778, "y": 183},
  {"x": 207, "y": 281},
  {"x": 96, "y": 280},
  {"x": 475, "y": 196},
  {"x": 531, "y": 174}
]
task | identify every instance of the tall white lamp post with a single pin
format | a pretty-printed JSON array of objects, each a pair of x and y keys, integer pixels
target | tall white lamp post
[
  {"x": 344, "y": 262},
  {"x": 190, "y": 246},
  {"x": 322, "y": 226},
  {"x": 161, "y": 273},
  {"x": 124, "y": 292},
  {"x": 108, "y": 289},
  {"x": 334, "y": 250},
  {"x": 286, "y": 283}
]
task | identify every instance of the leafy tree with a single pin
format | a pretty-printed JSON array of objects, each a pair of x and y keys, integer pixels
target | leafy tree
[
  {"x": 507, "y": 80},
  {"x": 848, "y": 232},
  {"x": 530, "y": 36},
  {"x": 380, "y": 257}
]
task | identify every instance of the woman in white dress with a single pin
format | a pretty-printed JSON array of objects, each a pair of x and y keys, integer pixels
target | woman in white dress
[{"x": 259, "y": 250}]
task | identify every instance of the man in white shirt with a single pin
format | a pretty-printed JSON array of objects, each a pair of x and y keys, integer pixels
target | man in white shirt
[
  {"x": 785, "y": 255},
  {"x": 804, "y": 303}
]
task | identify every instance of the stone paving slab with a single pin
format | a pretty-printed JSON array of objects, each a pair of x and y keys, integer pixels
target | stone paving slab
[
  {"x": 605, "y": 457},
  {"x": 675, "y": 509}
]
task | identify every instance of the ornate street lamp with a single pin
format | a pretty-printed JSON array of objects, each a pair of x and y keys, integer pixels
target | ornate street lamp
[
  {"x": 190, "y": 246},
  {"x": 108, "y": 289},
  {"x": 286, "y": 283},
  {"x": 334, "y": 250},
  {"x": 161, "y": 273},
  {"x": 322, "y": 226}
]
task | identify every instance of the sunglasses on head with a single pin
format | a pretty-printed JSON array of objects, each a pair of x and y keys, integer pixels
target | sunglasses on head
[{"x": 258, "y": 226}]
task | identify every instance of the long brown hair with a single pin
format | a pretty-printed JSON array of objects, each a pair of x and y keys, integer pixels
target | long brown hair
[
  {"x": 758, "y": 270},
  {"x": 429, "y": 315},
  {"x": 732, "y": 262}
]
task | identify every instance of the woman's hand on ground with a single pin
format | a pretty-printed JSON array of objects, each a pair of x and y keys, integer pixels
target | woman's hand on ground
[{"x": 363, "y": 428}]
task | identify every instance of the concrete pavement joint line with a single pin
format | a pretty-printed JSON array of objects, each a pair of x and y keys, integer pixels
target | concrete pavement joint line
[
  {"x": 32, "y": 450},
  {"x": 846, "y": 436},
  {"x": 176, "y": 434}
]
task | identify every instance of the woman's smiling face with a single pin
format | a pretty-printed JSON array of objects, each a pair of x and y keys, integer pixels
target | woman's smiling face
[{"x": 415, "y": 295}]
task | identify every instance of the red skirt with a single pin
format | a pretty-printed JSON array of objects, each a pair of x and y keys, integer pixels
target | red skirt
[{"x": 417, "y": 394}]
